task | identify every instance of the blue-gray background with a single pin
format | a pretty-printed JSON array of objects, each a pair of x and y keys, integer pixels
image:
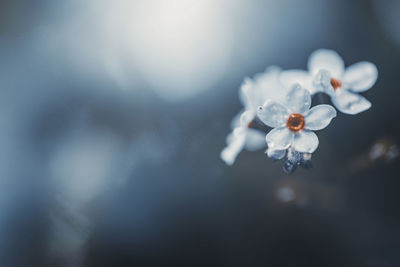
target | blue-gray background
[{"x": 113, "y": 115}]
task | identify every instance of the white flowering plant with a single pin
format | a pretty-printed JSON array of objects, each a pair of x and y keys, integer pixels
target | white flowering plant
[{"x": 281, "y": 100}]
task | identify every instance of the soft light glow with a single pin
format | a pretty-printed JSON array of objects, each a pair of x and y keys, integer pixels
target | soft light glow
[
  {"x": 180, "y": 46},
  {"x": 84, "y": 165}
]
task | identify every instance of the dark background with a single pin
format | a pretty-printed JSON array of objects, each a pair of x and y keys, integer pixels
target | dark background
[{"x": 107, "y": 158}]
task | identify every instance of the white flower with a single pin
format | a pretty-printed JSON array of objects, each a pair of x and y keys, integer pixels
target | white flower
[
  {"x": 242, "y": 137},
  {"x": 328, "y": 74},
  {"x": 252, "y": 93},
  {"x": 266, "y": 85},
  {"x": 295, "y": 122}
]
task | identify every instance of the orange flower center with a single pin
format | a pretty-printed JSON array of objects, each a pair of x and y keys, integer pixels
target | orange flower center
[
  {"x": 336, "y": 83},
  {"x": 295, "y": 122},
  {"x": 251, "y": 124}
]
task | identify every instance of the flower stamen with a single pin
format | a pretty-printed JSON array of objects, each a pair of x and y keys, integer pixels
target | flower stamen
[
  {"x": 336, "y": 84},
  {"x": 295, "y": 122}
]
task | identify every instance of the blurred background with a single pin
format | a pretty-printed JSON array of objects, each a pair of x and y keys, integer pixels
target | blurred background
[{"x": 113, "y": 115}]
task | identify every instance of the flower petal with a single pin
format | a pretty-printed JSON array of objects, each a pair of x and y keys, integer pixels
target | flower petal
[
  {"x": 235, "y": 143},
  {"x": 235, "y": 122},
  {"x": 305, "y": 141},
  {"x": 270, "y": 85},
  {"x": 319, "y": 117},
  {"x": 361, "y": 76},
  {"x": 328, "y": 60},
  {"x": 291, "y": 77},
  {"x": 349, "y": 103},
  {"x": 279, "y": 138},
  {"x": 322, "y": 82},
  {"x": 275, "y": 154},
  {"x": 247, "y": 93},
  {"x": 266, "y": 85},
  {"x": 246, "y": 118},
  {"x": 298, "y": 100},
  {"x": 273, "y": 114},
  {"x": 255, "y": 140}
]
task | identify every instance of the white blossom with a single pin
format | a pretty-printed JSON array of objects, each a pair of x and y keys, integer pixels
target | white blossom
[
  {"x": 294, "y": 121},
  {"x": 327, "y": 73},
  {"x": 282, "y": 101},
  {"x": 253, "y": 93}
]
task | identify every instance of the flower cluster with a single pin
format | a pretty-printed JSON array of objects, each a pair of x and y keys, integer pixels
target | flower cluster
[{"x": 281, "y": 99}]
